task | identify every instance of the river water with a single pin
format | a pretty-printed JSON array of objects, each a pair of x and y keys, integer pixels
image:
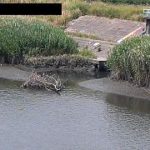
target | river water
[{"x": 78, "y": 119}]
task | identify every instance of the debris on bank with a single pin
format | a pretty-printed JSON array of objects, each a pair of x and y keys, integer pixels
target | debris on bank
[{"x": 43, "y": 81}]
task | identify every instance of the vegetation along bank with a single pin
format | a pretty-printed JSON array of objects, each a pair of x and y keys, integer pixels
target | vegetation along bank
[
  {"x": 19, "y": 37},
  {"x": 73, "y": 9},
  {"x": 40, "y": 45},
  {"x": 130, "y": 61}
]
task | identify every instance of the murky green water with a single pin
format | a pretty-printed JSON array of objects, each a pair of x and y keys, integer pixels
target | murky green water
[{"x": 79, "y": 119}]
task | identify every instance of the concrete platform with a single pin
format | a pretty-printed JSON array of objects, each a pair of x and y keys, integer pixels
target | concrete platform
[
  {"x": 108, "y": 32},
  {"x": 105, "y": 29}
]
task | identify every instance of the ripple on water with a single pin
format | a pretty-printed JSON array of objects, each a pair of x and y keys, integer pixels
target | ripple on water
[{"x": 75, "y": 120}]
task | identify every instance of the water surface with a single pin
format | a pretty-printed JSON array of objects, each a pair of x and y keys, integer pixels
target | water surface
[{"x": 79, "y": 119}]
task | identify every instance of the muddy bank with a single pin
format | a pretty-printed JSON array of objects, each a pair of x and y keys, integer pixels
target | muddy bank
[
  {"x": 22, "y": 72},
  {"x": 116, "y": 87},
  {"x": 63, "y": 63},
  {"x": 13, "y": 73},
  {"x": 104, "y": 84}
]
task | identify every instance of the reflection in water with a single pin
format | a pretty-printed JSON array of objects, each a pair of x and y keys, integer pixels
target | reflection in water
[{"x": 134, "y": 104}]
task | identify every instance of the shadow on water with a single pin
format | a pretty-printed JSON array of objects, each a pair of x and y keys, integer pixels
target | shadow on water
[{"x": 132, "y": 104}]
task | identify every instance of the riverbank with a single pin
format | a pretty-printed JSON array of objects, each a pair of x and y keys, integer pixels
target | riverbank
[
  {"x": 22, "y": 72},
  {"x": 62, "y": 63},
  {"x": 13, "y": 73},
  {"x": 107, "y": 85},
  {"x": 103, "y": 84}
]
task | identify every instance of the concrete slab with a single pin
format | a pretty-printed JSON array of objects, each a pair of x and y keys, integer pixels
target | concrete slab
[
  {"x": 108, "y": 31},
  {"x": 105, "y": 29}
]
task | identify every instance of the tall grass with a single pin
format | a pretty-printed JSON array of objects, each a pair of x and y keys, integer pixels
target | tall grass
[
  {"x": 129, "y": 12},
  {"x": 85, "y": 52},
  {"x": 73, "y": 9},
  {"x": 131, "y": 61},
  {"x": 137, "y": 2},
  {"x": 20, "y": 37}
]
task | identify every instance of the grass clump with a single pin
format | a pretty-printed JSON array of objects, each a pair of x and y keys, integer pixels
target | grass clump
[
  {"x": 85, "y": 52},
  {"x": 19, "y": 37},
  {"x": 131, "y": 61}
]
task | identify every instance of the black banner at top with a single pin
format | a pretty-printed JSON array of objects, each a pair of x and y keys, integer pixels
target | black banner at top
[{"x": 30, "y": 9}]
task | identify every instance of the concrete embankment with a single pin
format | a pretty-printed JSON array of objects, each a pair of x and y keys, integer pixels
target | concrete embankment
[{"x": 107, "y": 85}]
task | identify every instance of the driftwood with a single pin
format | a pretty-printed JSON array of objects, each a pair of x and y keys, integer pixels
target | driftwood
[{"x": 49, "y": 82}]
